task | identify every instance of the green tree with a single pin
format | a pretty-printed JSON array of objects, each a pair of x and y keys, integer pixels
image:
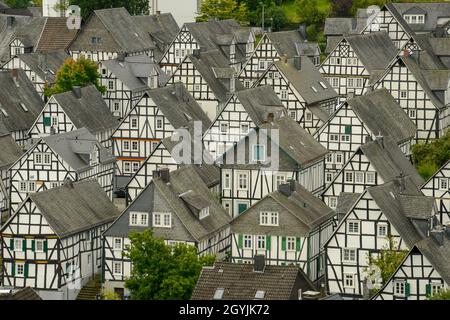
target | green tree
[
  {"x": 134, "y": 7},
  {"x": 81, "y": 72},
  {"x": 309, "y": 13},
  {"x": 441, "y": 295},
  {"x": 160, "y": 271},
  {"x": 18, "y": 4},
  {"x": 223, "y": 9}
]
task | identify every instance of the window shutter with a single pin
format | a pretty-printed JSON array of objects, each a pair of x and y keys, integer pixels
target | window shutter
[
  {"x": 240, "y": 241},
  {"x": 33, "y": 245},
  {"x": 11, "y": 244},
  {"x": 348, "y": 129},
  {"x": 24, "y": 245},
  {"x": 25, "y": 270},
  {"x": 428, "y": 290},
  {"x": 47, "y": 121},
  {"x": 283, "y": 243},
  {"x": 407, "y": 289},
  {"x": 297, "y": 244},
  {"x": 13, "y": 269},
  {"x": 268, "y": 240},
  {"x": 45, "y": 246}
]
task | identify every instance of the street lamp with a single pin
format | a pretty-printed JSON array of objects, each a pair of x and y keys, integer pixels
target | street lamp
[{"x": 263, "y": 5}]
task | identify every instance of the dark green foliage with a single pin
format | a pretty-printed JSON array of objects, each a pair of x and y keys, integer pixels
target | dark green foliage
[
  {"x": 162, "y": 272},
  {"x": 134, "y": 7},
  {"x": 441, "y": 295},
  {"x": 18, "y": 4}
]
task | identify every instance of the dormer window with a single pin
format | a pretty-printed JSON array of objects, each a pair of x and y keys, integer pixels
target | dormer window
[
  {"x": 96, "y": 40},
  {"x": 414, "y": 18},
  {"x": 203, "y": 213},
  {"x": 153, "y": 82},
  {"x": 162, "y": 220},
  {"x": 94, "y": 159}
]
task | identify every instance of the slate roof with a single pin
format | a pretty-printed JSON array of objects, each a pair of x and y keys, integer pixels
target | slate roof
[
  {"x": 375, "y": 50},
  {"x": 75, "y": 147},
  {"x": 162, "y": 29},
  {"x": 26, "y": 293},
  {"x": 382, "y": 114},
  {"x": 90, "y": 112},
  {"x": 240, "y": 282},
  {"x": 354, "y": 25},
  {"x": 10, "y": 151},
  {"x": 30, "y": 33},
  {"x": 45, "y": 65},
  {"x": 305, "y": 79},
  {"x": 433, "y": 13},
  {"x": 332, "y": 42},
  {"x": 11, "y": 96},
  {"x": 178, "y": 105},
  {"x": 308, "y": 49},
  {"x": 207, "y": 63},
  {"x": 389, "y": 161},
  {"x": 7, "y": 33},
  {"x": 285, "y": 42},
  {"x": 345, "y": 202},
  {"x": 75, "y": 207}
]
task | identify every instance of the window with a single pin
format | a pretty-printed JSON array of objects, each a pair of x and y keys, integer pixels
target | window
[
  {"x": 335, "y": 82},
  {"x": 435, "y": 288},
  {"x": 399, "y": 288},
  {"x": 353, "y": 227},
  {"x": 226, "y": 206},
  {"x": 134, "y": 122},
  {"x": 134, "y": 146},
  {"x": 412, "y": 113},
  {"x": 117, "y": 243},
  {"x": 345, "y": 138},
  {"x": 355, "y": 83},
  {"x": 349, "y": 280},
  {"x": 224, "y": 128},
  {"x": 39, "y": 246},
  {"x": 159, "y": 123},
  {"x": 27, "y": 186},
  {"x": 20, "y": 269},
  {"x": 262, "y": 65},
  {"x": 261, "y": 242},
  {"x": 154, "y": 145},
  {"x": 334, "y": 137},
  {"x": 177, "y": 53},
  {"x": 127, "y": 166},
  {"x": 279, "y": 179},
  {"x": 359, "y": 177},
  {"x": 218, "y": 294},
  {"x": 349, "y": 176},
  {"x": 47, "y": 158},
  {"x": 328, "y": 177},
  {"x": 226, "y": 181},
  {"x": 204, "y": 213},
  {"x": 293, "y": 114},
  {"x": 133, "y": 219},
  {"x": 322, "y": 85},
  {"x": 243, "y": 181},
  {"x": 284, "y": 95},
  {"x": 348, "y": 255},
  {"x": 111, "y": 85},
  {"x": 260, "y": 294},
  {"x": 139, "y": 219},
  {"x": 38, "y": 158},
  {"x": 18, "y": 243},
  {"x": 117, "y": 268},
  {"x": 348, "y": 129},
  {"x": 162, "y": 220},
  {"x": 248, "y": 241},
  {"x": 268, "y": 218},
  {"x": 308, "y": 116},
  {"x": 443, "y": 183},
  {"x": 244, "y": 128},
  {"x": 382, "y": 230},
  {"x": 314, "y": 89},
  {"x": 370, "y": 177},
  {"x": 290, "y": 243},
  {"x": 136, "y": 166},
  {"x": 247, "y": 84},
  {"x": 54, "y": 121},
  {"x": 332, "y": 202},
  {"x": 259, "y": 152},
  {"x": 126, "y": 145},
  {"x": 144, "y": 219},
  {"x": 403, "y": 94}
]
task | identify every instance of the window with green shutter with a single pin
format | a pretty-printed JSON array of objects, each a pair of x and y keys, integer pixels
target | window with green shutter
[
  {"x": 24, "y": 245},
  {"x": 33, "y": 245},
  {"x": 348, "y": 129},
  {"x": 283, "y": 243},
  {"x": 428, "y": 290},
  {"x": 45, "y": 246},
  {"x": 297, "y": 244},
  {"x": 240, "y": 241},
  {"x": 25, "y": 270},
  {"x": 11, "y": 244},
  {"x": 47, "y": 121},
  {"x": 268, "y": 241},
  {"x": 13, "y": 269},
  {"x": 407, "y": 289}
]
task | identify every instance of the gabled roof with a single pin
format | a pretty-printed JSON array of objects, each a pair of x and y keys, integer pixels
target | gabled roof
[
  {"x": 29, "y": 34},
  {"x": 258, "y": 102},
  {"x": 208, "y": 63},
  {"x": 55, "y": 35},
  {"x": 45, "y": 65},
  {"x": 285, "y": 42},
  {"x": 12, "y": 94},
  {"x": 375, "y": 50},
  {"x": 75, "y": 207},
  {"x": 7, "y": 33},
  {"x": 75, "y": 147},
  {"x": 433, "y": 12},
  {"x": 240, "y": 282},
  {"x": 307, "y": 80},
  {"x": 382, "y": 114},
  {"x": 389, "y": 161},
  {"x": 353, "y": 25},
  {"x": 10, "y": 150},
  {"x": 438, "y": 256},
  {"x": 90, "y": 111},
  {"x": 178, "y": 105}
]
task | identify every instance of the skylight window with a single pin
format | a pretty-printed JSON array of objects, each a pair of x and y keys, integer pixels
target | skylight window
[
  {"x": 260, "y": 294},
  {"x": 24, "y": 107},
  {"x": 4, "y": 112},
  {"x": 218, "y": 294},
  {"x": 314, "y": 89},
  {"x": 322, "y": 85}
]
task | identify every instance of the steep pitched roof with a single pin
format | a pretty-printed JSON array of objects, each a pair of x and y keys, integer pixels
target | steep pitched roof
[
  {"x": 45, "y": 65},
  {"x": 10, "y": 151},
  {"x": 12, "y": 94},
  {"x": 55, "y": 35},
  {"x": 382, "y": 114},
  {"x": 434, "y": 12},
  {"x": 240, "y": 282},
  {"x": 389, "y": 161},
  {"x": 75, "y": 207},
  {"x": 7, "y": 32},
  {"x": 90, "y": 111},
  {"x": 285, "y": 42},
  {"x": 30, "y": 33},
  {"x": 353, "y": 25},
  {"x": 375, "y": 50}
]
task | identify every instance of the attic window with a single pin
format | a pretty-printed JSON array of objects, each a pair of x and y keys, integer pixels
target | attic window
[
  {"x": 322, "y": 85},
  {"x": 260, "y": 294},
  {"x": 24, "y": 107},
  {"x": 96, "y": 40},
  {"x": 4, "y": 112},
  {"x": 314, "y": 89},
  {"x": 204, "y": 213},
  {"x": 218, "y": 295},
  {"x": 52, "y": 72}
]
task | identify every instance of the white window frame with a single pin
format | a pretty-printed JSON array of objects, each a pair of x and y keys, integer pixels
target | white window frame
[
  {"x": 344, "y": 279},
  {"x": 261, "y": 239},
  {"x": 162, "y": 220},
  {"x": 348, "y": 175},
  {"x": 351, "y": 226},
  {"x": 243, "y": 126},
  {"x": 238, "y": 180},
  {"x": 117, "y": 247},
  {"x": 399, "y": 287},
  {"x": 159, "y": 122},
  {"x": 38, "y": 243},
  {"x": 18, "y": 245},
  {"x": 115, "y": 264},
  {"x": 348, "y": 253},
  {"x": 20, "y": 266},
  {"x": 380, "y": 226},
  {"x": 443, "y": 184},
  {"x": 370, "y": 178},
  {"x": 247, "y": 241},
  {"x": 134, "y": 122},
  {"x": 254, "y": 147},
  {"x": 332, "y": 202},
  {"x": 290, "y": 243}
]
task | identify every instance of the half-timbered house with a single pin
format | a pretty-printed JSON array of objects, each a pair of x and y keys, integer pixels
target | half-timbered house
[
  {"x": 40, "y": 68},
  {"x": 374, "y": 163},
  {"x": 208, "y": 78},
  {"x": 156, "y": 116},
  {"x": 288, "y": 226},
  {"x": 75, "y": 155},
  {"x": 305, "y": 93},
  {"x": 52, "y": 242},
  {"x": 245, "y": 110},
  {"x": 20, "y": 104},
  {"x": 179, "y": 208},
  {"x": 355, "y": 60},
  {"x": 234, "y": 41},
  {"x": 438, "y": 188},
  {"x": 8, "y": 26},
  {"x": 393, "y": 215},
  {"x": 423, "y": 273},
  {"x": 110, "y": 32},
  {"x": 277, "y": 151},
  {"x": 76, "y": 109},
  {"x": 126, "y": 79},
  {"x": 421, "y": 92},
  {"x": 360, "y": 118}
]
